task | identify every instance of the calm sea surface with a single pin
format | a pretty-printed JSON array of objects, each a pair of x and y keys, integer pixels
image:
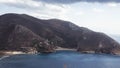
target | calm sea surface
[{"x": 61, "y": 59}]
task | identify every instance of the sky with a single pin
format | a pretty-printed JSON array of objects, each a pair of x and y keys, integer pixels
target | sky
[{"x": 97, "y": 15}]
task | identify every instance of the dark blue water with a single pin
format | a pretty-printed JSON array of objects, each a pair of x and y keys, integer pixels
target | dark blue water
[{"x": 61, "y": 59}]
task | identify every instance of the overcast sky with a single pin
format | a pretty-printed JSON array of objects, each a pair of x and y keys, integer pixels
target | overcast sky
[{"x": 98, "y": 15}]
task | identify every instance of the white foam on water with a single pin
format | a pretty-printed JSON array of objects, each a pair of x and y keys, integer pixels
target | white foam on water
[{"x": 4, "y": 57}]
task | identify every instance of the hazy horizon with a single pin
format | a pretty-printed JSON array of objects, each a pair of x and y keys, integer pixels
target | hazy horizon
[{"x": 100, "y": 16}]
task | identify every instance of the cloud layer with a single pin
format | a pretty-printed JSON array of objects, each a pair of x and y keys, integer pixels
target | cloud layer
[
  {"x": 39, "y": 9},
  {"x": 74, "y": 1}
]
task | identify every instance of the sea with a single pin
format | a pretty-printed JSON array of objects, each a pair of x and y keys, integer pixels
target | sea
[{"x": 61, "y": 59}]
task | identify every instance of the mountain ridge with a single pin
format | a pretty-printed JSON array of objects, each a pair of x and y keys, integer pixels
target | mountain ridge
[{"x": 54, "y": 33}]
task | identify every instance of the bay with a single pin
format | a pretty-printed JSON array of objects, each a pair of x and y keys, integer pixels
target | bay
[{"x": 61, "y": 59}]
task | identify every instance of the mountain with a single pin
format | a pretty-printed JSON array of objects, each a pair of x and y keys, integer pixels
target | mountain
[
  {"x": 115, "y": 36},
  {"x": 21, "y": 32}
]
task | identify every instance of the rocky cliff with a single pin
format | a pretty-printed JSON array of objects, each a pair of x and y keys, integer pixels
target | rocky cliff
[{"x": 21, "y": 32}]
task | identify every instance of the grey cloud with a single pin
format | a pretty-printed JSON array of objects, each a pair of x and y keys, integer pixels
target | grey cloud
[
  {"x": 37, "y": 7},
  {"x": 22, "y": 5},
  {"x": 74, "y": 1}
]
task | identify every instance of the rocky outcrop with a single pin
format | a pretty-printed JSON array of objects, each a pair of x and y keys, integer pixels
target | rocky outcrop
[
  {"x": 99, "y": 43},
  {"x": 21, "y": 32}
]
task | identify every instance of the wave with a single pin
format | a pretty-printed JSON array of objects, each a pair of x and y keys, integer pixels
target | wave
[{"x": 3, "y": 57}]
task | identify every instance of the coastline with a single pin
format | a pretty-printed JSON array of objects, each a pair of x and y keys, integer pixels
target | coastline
[
  {"x": 9, "y": 53},
  {"x": 6, "y": 54},
  {"x": 69, "y": 49}
]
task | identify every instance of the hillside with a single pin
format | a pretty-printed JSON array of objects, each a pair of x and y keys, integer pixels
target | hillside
[{"x": 21, "y": 32}]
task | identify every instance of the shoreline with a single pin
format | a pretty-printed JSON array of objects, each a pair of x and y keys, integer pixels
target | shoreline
[
  {"x": 69, "y": 49},
  {"x": 5, "y": 54},
  {"x": 9, "y": 53}
]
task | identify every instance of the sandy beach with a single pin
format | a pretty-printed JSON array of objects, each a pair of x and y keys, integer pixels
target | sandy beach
[{"x": 60, "y": 48}]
